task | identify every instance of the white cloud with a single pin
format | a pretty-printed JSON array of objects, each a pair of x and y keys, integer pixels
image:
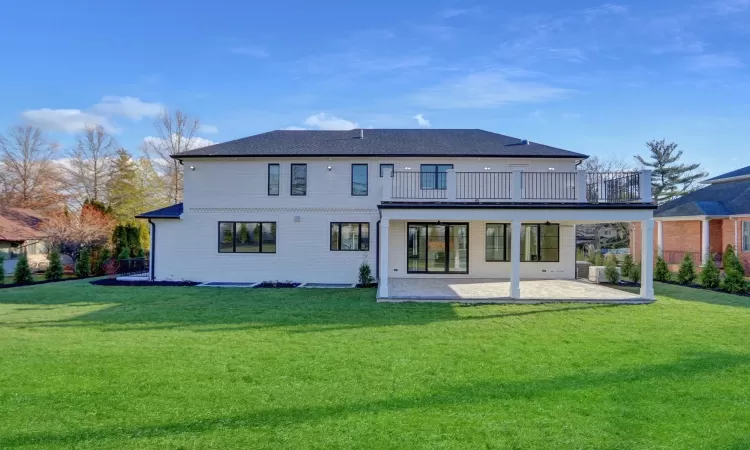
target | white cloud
[
  {"x": 710, "y": 61},
  {"x": 421, "y": 120},
  {"x": 209, "y": 129},
  {"x": 196, "y": 142},
  {"x": 130, "y": 107},
  {"x": 489, "y": 89},
  {"x": 604, "y": 10},
  {"x": 256, "y": 52},
  {"x": 66, "y": 120},
  {"x": 323, "y": 121},
  {"x": 449, "y": 13}
]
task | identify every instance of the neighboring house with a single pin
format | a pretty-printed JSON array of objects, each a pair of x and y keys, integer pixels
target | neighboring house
[
  {"x": 705, "y": 221},
  {"x": 20, "y": 233},
  {"x": 311, "y": 206}
]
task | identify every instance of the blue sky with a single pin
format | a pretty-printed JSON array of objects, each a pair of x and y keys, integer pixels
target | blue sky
[{"x": 598, "y": 78}]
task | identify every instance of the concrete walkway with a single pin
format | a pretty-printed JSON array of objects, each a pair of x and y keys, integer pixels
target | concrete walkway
[{"x": 466, "y": 290}]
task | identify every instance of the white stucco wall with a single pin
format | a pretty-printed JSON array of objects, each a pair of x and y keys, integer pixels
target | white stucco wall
[{"x": 478, "y": 267}]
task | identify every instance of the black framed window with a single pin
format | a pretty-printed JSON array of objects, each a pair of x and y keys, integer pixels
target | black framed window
[
  {"x": 359, "y": 179},
  {"x": 437, "y": 248},
  {"x": 247, "y": 237},
  {"x": 350, "y": 236},
  {"x": 274, "y": 177},
  {"x": 383, "y": 167},
  {"x": 299, "y": 179},
  {"x": 497, "y": 242},
  {"x": 433, "y": 176}
]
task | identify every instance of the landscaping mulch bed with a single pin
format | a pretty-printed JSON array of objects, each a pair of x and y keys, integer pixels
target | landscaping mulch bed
[
  {"x": 277, "y": 284},
  {"x": 12, "y": 285},
  {"x": 698, "y": 286},
  {"x": 115, "y": 282}
]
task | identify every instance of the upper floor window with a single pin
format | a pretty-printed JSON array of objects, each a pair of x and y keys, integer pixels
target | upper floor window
[
  {"x": 350, "y": 236},
  {"x": 247, "y": 237},
  {"x": 359, "y": 179},
  {"x": 433, "y": 176},
  {"x": 299, "y": 179},
  {"x": 746, "y": 236},
  {"x": 273, "y": 179},
  {"x": 383, "y": 168}
]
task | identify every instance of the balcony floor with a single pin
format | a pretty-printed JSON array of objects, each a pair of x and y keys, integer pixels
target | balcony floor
[{"x": 466, "y": 290}]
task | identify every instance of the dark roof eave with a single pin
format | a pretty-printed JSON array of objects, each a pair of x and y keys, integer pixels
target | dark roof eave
[
  {"x": 384, "y": 155},
  {"x": 146, "y": 216}
]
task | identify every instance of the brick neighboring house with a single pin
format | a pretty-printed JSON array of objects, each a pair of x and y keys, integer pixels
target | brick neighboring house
[{"x": 704, "y": 222}]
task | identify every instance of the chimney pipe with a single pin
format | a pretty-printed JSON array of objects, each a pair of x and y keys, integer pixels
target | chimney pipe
[{"x": 361, "y": 133}]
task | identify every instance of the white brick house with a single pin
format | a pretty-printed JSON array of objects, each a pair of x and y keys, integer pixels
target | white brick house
[{"x": 311, "y": 206}]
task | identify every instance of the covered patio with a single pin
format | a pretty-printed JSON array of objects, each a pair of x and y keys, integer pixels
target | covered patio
[{"x": 487, "y": 290}]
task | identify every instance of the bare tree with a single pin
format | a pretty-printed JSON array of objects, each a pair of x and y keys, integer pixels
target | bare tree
[
  {"x": 71, "y": 232},
  {"x": 29, "y": 178},
  {"x": 90, "y": 163},
  {"x": 175, "y": 134},
  {"x": 610, "y": 164}
]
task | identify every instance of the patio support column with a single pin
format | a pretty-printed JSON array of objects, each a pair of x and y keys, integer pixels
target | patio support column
[
  {"x": 515, "y": 259},
  {"x": 383, "y": 249},
  {"x": 647, "y": 259},
  {"x": 705, "y": 249},
  {"x": 660, "y": 238}
]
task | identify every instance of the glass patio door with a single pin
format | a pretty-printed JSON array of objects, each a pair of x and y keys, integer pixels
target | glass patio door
[{"x": 437, "y": 248}]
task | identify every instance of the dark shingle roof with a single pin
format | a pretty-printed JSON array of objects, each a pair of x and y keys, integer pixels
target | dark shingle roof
[
  {"x": 745, "y": 171},
  {"x": 380, "y": 142},
  {"x": 721, "y": 199},
  {"x": 170, "y": 212}
]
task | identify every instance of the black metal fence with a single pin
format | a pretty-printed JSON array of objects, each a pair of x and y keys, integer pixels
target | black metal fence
[
  {"x": 483, "y": 186},
  {"x": 613, "y": 187},
  {"x": 132, "y": 266},
  {"x": 419, "y": 185},
  {"x": 548, "y": 185}
]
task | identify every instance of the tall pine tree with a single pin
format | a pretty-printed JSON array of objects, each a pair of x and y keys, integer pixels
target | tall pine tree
[
  {"x": 669, "y": 178},
  {"x": 125, "y": 194}
]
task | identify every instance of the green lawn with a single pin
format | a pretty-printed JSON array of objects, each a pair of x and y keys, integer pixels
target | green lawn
[{"x": 109, "y": 367}]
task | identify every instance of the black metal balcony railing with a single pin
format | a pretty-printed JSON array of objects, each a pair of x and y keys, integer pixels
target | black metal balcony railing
[
  {"x": 548, "y": 185},
  {"x": 483, "y": 186},
  {"x": 419, "y": 185},
  {"x": 613, "y": 187}
]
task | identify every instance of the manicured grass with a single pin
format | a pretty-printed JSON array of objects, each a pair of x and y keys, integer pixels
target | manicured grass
[{"x": 110, "y": 367}]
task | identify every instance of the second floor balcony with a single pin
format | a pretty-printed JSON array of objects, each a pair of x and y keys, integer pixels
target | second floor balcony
[{"x": 519, "y": 187}]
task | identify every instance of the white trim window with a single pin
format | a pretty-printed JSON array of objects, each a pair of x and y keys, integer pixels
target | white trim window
[{"x": 746, "y": 236}]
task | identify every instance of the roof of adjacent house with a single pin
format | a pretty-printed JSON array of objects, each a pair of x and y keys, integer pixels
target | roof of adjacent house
[
  {"x": 19, "y": 224},
  {"x": 170, "y": 212},
  {"x": 743, "y": 172},
  {"x": 718, "y": 199},
  {"x": 380, "y": 142}
]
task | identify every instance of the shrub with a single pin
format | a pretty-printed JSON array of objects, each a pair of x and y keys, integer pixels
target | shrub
[
  {"x": 661, "y": 272},
  {"x": 610, "y": 269},
  {"x": 111, "y": 267},
  {"x": 124, "y": 253},
  {"x": 580, "y": 255},
  {"x": 592, "y": 257},
  {"x": 54, "y": 268},
  {"x": 83, "y": 265},
  {"x": 627, "y": 265},
  {"x": 635, "y": 273},
  {"x": 730, "y": 260},
  {"x": 599, "y": 259},
  {"x": 686, "y": 274},
  {"x": 22, "y": 275},
  {"x": 710, "y": 274},
  {"x": 365, "y": 275},
  {"x": 734, "y": 273},
  {"x": 2, "y": 268},
  {"x": 104, "y": 256}
]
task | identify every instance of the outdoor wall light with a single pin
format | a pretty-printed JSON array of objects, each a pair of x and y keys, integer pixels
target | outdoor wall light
[
  {"x": 487, "y": 168},
  {"x": 407, "y": 168},
  {"x": 192, "y": 167},
  {"x": 551, "y": 168},
  {"x": 329, "y": 168}
]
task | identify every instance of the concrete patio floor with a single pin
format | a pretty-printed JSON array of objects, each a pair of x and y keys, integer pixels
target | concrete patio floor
[{"x": 466, "y": 290}]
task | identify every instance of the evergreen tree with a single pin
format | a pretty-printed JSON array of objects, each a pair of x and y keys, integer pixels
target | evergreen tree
[
  {"x": 627, "y": 265},
  {"x": 599, "y": 259},
  {"x": 54, "y": 268},
  {"x": 734, "y": 274},
  {"x": 686, "y": 274},
  {"x": 710, "y": 277},
  {"x": 669, "y": 178},
  {"x": 104, "y": 255},
  {"x": 661, "y": 273},
  {"x": 124, "y": 253},
  {"x": 22, "y": 274},
  {"x": 2, "y": 267},
  {"x": 635, "y": 273},
  {"x": 83, "y": 265},
  {"x": 125, "y": 195}
]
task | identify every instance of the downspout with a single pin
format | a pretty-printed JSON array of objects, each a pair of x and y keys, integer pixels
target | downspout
[
  {"x": 152, "y": 256},
  {"x": 377, "y": 245}
]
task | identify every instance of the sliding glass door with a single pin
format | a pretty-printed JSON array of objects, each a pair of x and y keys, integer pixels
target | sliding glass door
[{"x": 437, "y": 248}]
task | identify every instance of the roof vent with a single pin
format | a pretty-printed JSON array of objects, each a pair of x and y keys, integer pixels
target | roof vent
[
  {"x": 525, "y": 142},
  {"x": 361, "y": 133}
]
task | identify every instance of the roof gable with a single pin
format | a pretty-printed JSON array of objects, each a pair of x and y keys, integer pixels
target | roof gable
[{"x": 381, "y": 142}]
